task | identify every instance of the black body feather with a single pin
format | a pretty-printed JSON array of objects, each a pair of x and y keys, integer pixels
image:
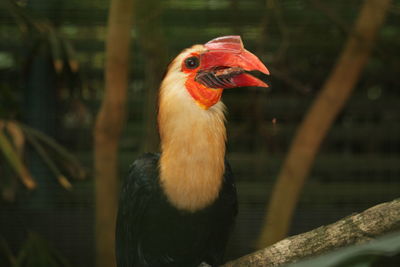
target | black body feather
[{"x": 151, "y": 232}]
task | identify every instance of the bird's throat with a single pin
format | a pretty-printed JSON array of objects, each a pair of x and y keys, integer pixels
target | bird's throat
[
  {"x": 205, "y": 97},
  {"x": 192, "y": 160}
]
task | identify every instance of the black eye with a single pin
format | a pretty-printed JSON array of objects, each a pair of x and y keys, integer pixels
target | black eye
[{"x": 192, "y": 62}]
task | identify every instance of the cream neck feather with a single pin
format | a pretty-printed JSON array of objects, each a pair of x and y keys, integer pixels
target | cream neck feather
[{"x": 192, "y": 145}]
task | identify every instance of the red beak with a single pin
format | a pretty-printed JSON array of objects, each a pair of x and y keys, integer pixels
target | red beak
[{"x": 226, "y": 64}]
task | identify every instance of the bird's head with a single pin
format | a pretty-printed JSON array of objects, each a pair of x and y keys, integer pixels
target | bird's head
[{"x": 206, "y": 70}]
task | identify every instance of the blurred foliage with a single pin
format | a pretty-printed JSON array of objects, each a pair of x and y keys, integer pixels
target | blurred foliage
[
  {"x": 384, "y": 251},
  {"x": 14, "y": 137},
  {"x": 41, "y": 32},
  {"x": 40, "y": 38},
  {"x": 34, "y": 252},
  {"x": 36, "y": 35}
]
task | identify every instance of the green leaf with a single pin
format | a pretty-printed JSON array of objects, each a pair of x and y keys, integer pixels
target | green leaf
[
  {"x": 24, "y": 20},
  {"x": 358, "y": 255},
  {"x": 66, "y": 156},
  {"x": 49, "y": 162},
  {"x": 38, "y": 252},
  {"x": 15, "y": 161},
  {"x": 17, "y": 136},
  {"x": 70, "y": 55},
  {"x": 6, "y": 254},
  {"x": 56, "y": 50}
]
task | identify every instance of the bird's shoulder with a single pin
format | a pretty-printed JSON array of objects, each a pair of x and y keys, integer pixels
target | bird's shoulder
[
  {"x": 143, "y": 172},
  {"x": 144, "y": 164},
  {"x": 140, "y": 184}
]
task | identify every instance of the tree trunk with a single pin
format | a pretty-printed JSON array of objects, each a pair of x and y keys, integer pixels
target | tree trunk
[
  {"x": 330, "y": 101},
  {"x": 355, "y": 229},
  {"x": 109, "y": 125}
]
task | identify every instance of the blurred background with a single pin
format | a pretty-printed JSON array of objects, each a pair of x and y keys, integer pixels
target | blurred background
[{"x": 52, "y": 56}]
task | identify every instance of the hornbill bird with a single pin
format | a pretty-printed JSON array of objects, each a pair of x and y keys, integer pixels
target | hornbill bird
[{"x": 177, "y": 208}]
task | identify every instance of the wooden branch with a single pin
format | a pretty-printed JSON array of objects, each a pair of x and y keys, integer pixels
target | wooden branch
[{"x": 355, "y": 229}]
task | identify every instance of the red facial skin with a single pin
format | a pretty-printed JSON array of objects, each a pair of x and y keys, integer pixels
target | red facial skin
[
  {"x": 227, "y": 51},
  {"x": 205, "y": 97}
]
